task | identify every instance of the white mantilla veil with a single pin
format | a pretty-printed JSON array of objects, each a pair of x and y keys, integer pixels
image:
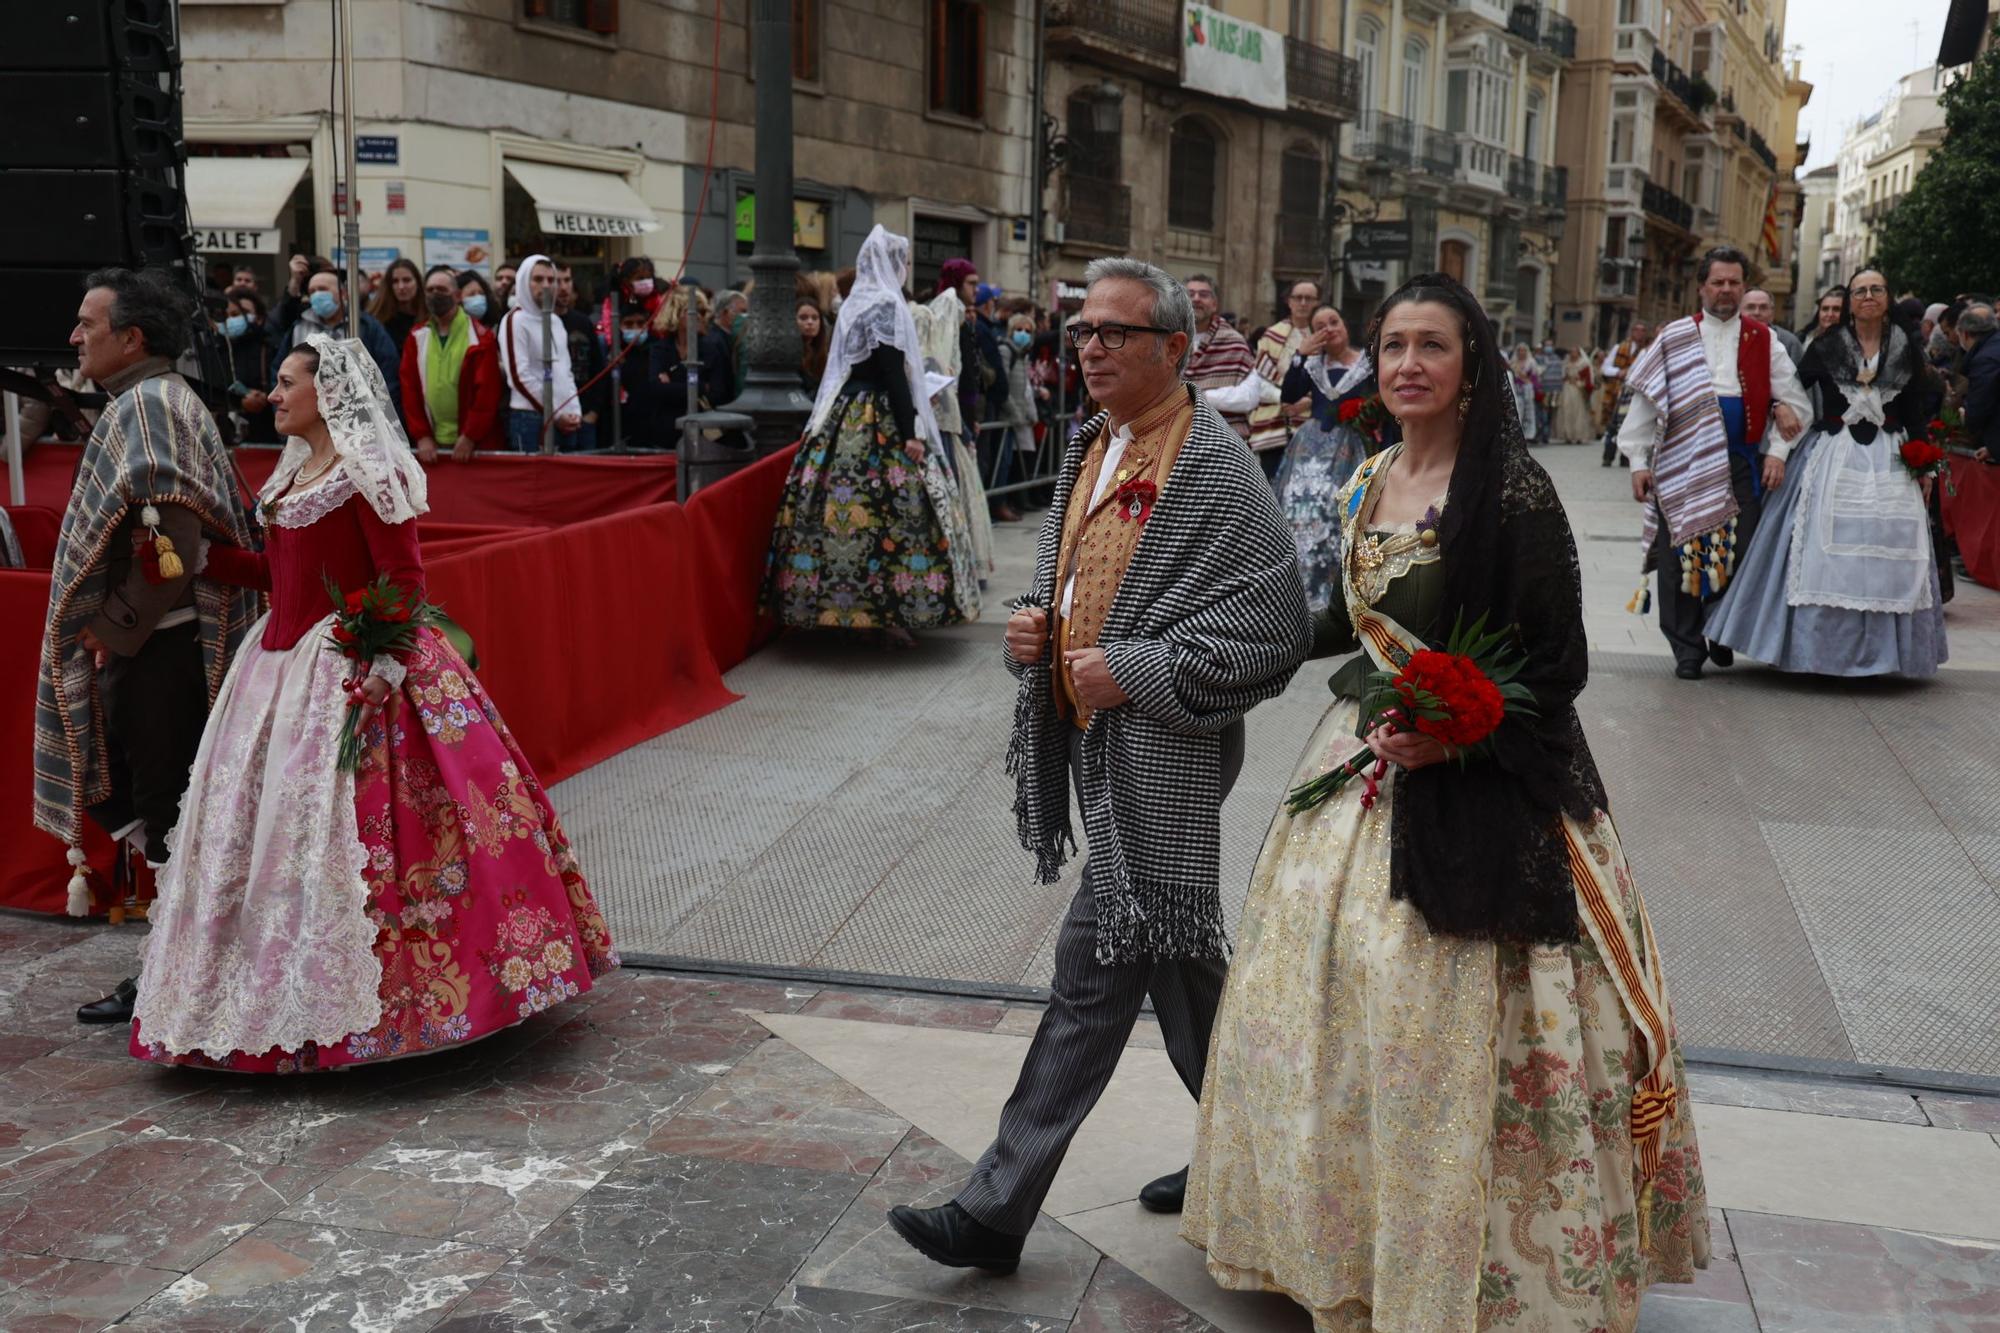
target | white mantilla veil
[
  {"x": 367, "y": 439},
  {"x": 875, "y": 315}
]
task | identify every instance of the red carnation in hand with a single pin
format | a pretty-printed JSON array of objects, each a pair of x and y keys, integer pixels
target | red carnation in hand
[
  {"x": 1351, "y": 409},
  {"x": 1919, "y": 455},
  {"x": 354, "y": 601},
  {"x": 1472, "y": 703}
]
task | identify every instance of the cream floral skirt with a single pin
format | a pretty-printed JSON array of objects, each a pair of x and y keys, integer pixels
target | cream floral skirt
[{"x": 1422, "y": 1134}]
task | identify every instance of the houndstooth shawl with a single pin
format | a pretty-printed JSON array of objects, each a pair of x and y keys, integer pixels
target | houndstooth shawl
[
  {"x": 155, "y": 444},
  {"x": 1209, "y": 621}
]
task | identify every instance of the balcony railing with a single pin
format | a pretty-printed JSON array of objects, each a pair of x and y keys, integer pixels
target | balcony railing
[
  {"x": 1664, "y": 203},
  {"x": 1437, "y": 153},
  {"x": 1559, "y": 35},
  {"x": 1617, "y": 277},
  {"x": 1763, "y": 151},
  {"x": 1879, "y": 210},
  {"x": 1522, "y": 178},
  {"x": 1525, "y": 22},
  {"x": 1673, "y": 78},
  {"x": 1480, "y": 164},
  {"x": 1096, "y": 212},
  {"x": 1299, "y": 243},
  {"x": 1555, "y": 188},
  {"x": 1379, "y": 137},
  {"x": 1315, "y": 74},
  {"x": 1151, "y": 27}
]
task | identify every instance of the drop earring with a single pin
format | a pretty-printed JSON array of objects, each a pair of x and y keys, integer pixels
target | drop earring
[{"x": 1464, "y": 402}]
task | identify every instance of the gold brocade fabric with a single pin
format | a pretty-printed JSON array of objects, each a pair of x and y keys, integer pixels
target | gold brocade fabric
[
  {"x": 1418, "y": 1133},
  {"x": 1098, "y": 543}
]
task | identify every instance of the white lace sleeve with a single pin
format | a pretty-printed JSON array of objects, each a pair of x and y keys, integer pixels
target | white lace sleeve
[{"x": 390, "y": 670}]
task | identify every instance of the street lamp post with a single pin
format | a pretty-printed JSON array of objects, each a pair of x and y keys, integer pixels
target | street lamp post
[{"x": 771, "y": 392}]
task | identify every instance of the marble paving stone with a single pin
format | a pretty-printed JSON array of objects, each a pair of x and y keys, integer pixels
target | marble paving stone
[
  {"x": 967, "y": 1078},
  {"x": 1942, "y": 1181},
  {"x": 1714, "y": 1088},
  {"x": 1826, "y": 1277},
  {"x": 926, "y": 1011},
  {"x": 1722, "y": 1281},
  {"x": 1955, "y": 1113},
  {"x": 1150, "y": 1245},
  {"x": 781, "y": 1108},
  {"x": 133, "y": 1206},
  {"x": 1022, "y": 1020},
  {"x": 517, "y": 1121},
  {"x": 553, "y": 1300},
  {"x": 864, "y": 1254},
  {"x": 41, "y": 1293},
  {"x": 61, "y": 1097},
  {"x": 1120, "y": 1301},
  {"x": 680, "y": 1230},
  {"x": 480, "y": 1198},
  {"x": 1661, "y": 1313},
  {"x": 318, "y": 1279},
  {"x": 302, "y": 1123},
  {"x": 815, "y": 1308}
]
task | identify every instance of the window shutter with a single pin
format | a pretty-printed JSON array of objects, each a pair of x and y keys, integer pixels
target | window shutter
[{"x": 601, "y": 15}]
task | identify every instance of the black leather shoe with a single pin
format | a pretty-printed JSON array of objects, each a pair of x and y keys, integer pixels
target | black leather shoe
[
  {"x": 1165, "y": 1195},
  {"x": 953, "y": 1237},
  {"x": 1722, "y": 656},
  {"x": 1688, "y": 670},
  {"x": 113, "y": 1008}
]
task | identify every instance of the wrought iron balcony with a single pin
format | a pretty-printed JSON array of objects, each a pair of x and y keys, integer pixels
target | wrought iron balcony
[
  {"x": 1150, "y": 28},
  {"x": 1763, "y": 151},
  {"x": 1555, "y": 188},
  {"x": 1521, "y": 178},
  {"x": 1665, "y": 204},
  {"x": 1315, "y": 74},
  {"x": 1559, "y": 35},
  {"x": 1525, "y": 22},
  {"x": 1437, "y": 153},
  {"x": 1673, "y": 78},
  {"x": 1299, "y": 242},
  {"x": 1096, "y": 212},
  {"x": 1379, "y": 137}
]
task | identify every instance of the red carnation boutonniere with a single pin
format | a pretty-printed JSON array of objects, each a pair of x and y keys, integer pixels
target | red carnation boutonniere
[{"x": 1135, "y": 500}]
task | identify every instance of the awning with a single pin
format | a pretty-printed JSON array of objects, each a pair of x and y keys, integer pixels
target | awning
[
  {"x": 235, "y": 201},
  {"x": 574, "y": 202}
]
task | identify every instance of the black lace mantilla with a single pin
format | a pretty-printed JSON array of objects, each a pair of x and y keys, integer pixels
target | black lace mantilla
[{"x": 1478, "y": 848}]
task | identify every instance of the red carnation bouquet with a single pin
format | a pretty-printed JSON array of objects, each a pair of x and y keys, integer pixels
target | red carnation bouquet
[
  {"x": 381, "y": 617},
  {"x": 1366, "y": 415},
  {"x": 1922, "y": 458},
  {"x": 1459, "y": 695}
]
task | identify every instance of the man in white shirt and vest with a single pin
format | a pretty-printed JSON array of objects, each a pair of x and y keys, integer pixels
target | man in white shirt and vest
[{"x": 1715, "y": 408}]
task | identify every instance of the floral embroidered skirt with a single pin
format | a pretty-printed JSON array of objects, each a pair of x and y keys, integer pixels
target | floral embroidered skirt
[
  {"x": 1413, "y": 1132},
  {"x": 866, "y": 538},
  {"x": 1317, "y": 463},
  {"x": 309, "y": 918}
]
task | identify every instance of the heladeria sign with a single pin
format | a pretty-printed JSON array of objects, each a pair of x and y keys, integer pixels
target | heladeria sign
[
  {"x": 1231, "y": 58},
  {"x": 566, "y": 222}
]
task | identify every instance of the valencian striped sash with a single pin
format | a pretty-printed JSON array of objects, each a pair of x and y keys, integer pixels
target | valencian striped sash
[{"x": 1691, "y": 454}]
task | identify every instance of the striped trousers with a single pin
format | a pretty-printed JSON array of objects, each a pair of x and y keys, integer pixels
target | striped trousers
[{"x": 1082, "y": 1035}]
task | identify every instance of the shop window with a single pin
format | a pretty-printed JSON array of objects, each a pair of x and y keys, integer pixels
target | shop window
[
  {"x": 806, "y": 19},
  {"x": 1191, "y": 176},
  {"x": 958, "y": 57},
  {"x": 592, "y": 259},
  {"x": 600, "y": 16}
]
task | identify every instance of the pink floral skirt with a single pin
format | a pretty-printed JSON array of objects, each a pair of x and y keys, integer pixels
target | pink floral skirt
[{"x": 311, "y": 919}]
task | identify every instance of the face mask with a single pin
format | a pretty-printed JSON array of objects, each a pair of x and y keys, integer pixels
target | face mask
[
  {"x": 475, "y": 306},
  {"x": 1022, "y": 338},
  {"x": 325, "y": 305},
  {"x": 642, "y": 287},
  {"x": 235, "y": 326},
  {"x": 441, "y": 304},
  {"x": 632, "y": 335}
]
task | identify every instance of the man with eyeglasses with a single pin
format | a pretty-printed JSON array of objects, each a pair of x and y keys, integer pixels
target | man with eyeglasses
[
  {"x": 1699, "y": 434},
  {"x": 1136, "y": 661}
]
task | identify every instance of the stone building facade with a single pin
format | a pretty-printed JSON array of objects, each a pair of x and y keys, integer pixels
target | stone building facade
[
  {"x": 1457, "y": 137},
  {"x": 1668, "y": 125},
  {"x": 1879, "y": 157},
  {"x": 492, "y": 128}
]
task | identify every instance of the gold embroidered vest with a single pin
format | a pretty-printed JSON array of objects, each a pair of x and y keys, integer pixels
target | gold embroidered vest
[{"x": 1099, "y": 541}]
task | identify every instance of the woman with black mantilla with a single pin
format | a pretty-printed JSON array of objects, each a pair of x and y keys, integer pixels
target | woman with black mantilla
[{"x": 1444, "y": 1091}]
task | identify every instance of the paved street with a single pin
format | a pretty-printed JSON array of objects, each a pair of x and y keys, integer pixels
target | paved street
[{"x": 700, "y": 1151}]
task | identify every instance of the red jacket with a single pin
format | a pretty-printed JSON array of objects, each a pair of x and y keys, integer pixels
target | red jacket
[{"x": 479, "y": 387}]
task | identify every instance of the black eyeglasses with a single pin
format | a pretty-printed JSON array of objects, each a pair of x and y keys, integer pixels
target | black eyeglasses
[{"x": 1111, "y": 335}]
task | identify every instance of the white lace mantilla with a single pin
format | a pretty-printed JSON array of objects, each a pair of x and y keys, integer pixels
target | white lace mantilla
[
  {"x": 260, "y": 937},
  {"x": 302, "y": 509}
]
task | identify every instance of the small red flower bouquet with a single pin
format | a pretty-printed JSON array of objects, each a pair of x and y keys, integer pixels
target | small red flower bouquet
[
  {"x": 1922, "y": 458},
  {"x": 1459, "y": 695},
  {"x": 380, "y": 618},
  {"x": 1350, "y": 410},
  {"x": 1135, "y": 500}
]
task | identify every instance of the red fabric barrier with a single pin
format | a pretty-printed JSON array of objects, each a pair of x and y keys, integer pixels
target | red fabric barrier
[
  {"x": 732, "y": 526},
  {"x": 1973, "y": 517},
  {"x": 495, "y": 488},
  {"x": 593, "y": 637}
]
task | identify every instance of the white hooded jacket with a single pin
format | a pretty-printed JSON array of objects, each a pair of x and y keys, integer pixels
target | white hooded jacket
[{"x": 521, "y": 351}]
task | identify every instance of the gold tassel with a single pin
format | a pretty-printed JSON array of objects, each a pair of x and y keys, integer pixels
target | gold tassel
[{"x": 170, "y": 560}]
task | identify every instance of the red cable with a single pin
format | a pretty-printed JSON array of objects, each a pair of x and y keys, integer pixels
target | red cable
[{"x": 700, "y": 206}]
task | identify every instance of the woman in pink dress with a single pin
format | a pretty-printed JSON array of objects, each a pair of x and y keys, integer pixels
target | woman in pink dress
[{"x": 311, "y": 917}]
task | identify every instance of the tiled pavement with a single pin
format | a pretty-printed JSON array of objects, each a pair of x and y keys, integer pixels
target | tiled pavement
[{"x": 651, "y": 1157}]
